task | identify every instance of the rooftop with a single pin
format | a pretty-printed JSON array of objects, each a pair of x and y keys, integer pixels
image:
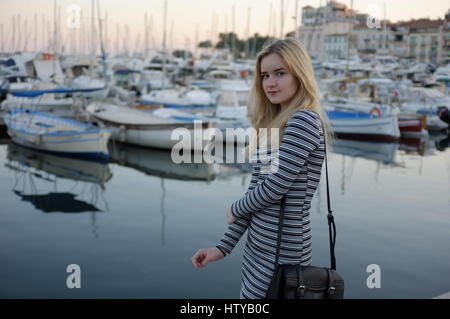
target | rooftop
[{"x": 421, "y": 23}]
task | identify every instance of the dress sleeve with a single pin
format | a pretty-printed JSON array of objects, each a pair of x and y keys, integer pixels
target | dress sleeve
[
  {"x": 238, "y": 228},
  {"x": 301, "y": 137}
]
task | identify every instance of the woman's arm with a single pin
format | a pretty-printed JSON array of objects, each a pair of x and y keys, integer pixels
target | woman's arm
[
  {"x": 301, "y": 137},
  {"x": 238, "y": 228}
]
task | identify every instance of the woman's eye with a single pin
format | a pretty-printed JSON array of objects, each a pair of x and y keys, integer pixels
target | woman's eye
[
  {"x": 280, "y": 73},
  {"x": 264, "y": 76}
]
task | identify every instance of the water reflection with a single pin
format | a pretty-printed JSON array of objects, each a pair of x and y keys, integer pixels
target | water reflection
[
  {"x": 158, "y": 163},
  {"x": 379, "y": 152},
  {"x": 442, "y": 141},
  {"x": 34, "y": 162},
  {"x": 57, "y": 202},
  {"x": 384, "y": 154},
  {"x": 39, "y": 176}
]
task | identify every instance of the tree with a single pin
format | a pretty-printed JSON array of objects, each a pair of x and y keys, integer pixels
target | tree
[
  {"x": 205, "y": 44},
  {"x": 255, "y": 44},
  {"x": 227, "y": 40}
]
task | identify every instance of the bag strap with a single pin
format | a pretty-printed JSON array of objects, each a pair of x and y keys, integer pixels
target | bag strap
[{"x": 330, "y": 218}]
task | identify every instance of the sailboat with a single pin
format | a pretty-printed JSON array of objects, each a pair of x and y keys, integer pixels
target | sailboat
[
  {"x": 149, "y": 129},
  {"x": 54, "y": 134}
]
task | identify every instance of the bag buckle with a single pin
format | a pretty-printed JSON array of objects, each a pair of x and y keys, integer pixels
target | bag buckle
[
  {"x": 331, "y": 291},
  {"x": 301, "y": 291}
]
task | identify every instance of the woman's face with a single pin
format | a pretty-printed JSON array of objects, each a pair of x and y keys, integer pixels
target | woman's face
[{"x": 278, "y": 83}]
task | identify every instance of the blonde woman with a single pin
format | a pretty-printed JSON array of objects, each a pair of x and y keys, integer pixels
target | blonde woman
[{"x": 284, "y": 96}]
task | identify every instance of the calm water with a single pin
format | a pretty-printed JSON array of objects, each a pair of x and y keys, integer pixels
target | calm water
[{"x": 132, "y": 225}]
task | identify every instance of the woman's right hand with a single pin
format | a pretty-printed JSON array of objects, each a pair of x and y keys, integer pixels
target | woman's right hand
[{"x": 205, "y": 255}]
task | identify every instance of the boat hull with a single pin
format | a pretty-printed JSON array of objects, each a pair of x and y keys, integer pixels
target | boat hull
[
  {"x": 73, "y": 139},
  {"x": 385, "y": 129},
  {"x": 412, "y": 125},
  {"x": 159, "y": 136},
  {"x": 146, "y": 129}
]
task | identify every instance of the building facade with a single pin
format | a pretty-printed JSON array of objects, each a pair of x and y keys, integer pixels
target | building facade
[
  {"x": 324, "y": 27},
  {"x": 446, "y": 38},
  {"x": 425, "y": 39},
  {"x": 336, "y": 46}
]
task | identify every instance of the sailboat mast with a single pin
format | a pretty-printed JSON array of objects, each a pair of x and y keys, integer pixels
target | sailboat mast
[
  {"x": 35, "y": 23},
  {"x": 282, "y": 19},
  {"x": 25, "y": 32},
  {"x": 247, "y": 34},
  {"x": 349, "y": 38},
  {"x": 171, "y": 35},
  {"x": 102, "y": 48},
  {"x": 196, "y": 42},
  {"x": 233, "y": 38},
  {"x": 2, "y": 41},
  {"x": 270, "y": 20},
  {"x": 55, "y": 26},
  {"x": 385, "y": 31},
  {"x": 164, "y": 43},
  {"x": 296, "y": 20},
  {"x": 19, "y": 32},
  {"x": 152, "y": 35},
  {"x": 146, "y": 34},
  {"x": 93, "y": 27}
]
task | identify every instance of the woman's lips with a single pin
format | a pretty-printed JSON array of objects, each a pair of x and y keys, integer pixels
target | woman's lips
[{"x": 272, "y": 93}]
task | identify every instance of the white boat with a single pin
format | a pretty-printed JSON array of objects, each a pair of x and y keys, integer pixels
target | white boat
[
  {"x": 83, "y": 72},
  {"x": 352, "y": 124},
  {"x": 48, "y": 103},
  {"x": 179, "y": 98},
  {"x": 409, "y": 124},
  {"x": 154, "y": 80},
  {"x": 45, "y": 99},
  {"x": 442, "y": 74},
  {"x": 231, "y": 112},
  {"x": 150, "y": 129},
  {"x": 83, "y": 82},
  {"x": 425, "y": 101},
  {"x": 49, "y": 133},
  {"x": 46, "y": 66}
]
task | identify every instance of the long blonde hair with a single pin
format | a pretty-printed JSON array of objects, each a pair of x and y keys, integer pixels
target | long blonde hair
[{"x": 265, "y": 115}]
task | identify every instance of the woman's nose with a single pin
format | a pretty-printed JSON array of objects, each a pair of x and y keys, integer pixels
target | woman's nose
[{"x": 270, "y": 82}]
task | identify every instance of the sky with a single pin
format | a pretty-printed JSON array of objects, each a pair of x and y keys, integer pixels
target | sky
[{"x": 187, "y": 20}]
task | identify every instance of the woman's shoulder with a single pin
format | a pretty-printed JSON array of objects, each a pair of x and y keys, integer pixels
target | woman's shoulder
[{"x": 304, "y": 115}]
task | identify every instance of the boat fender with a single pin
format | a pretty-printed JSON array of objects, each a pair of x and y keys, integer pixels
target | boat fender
[
  {"x": 444, "y": 114},
  {"x": 375, "y": 111}
]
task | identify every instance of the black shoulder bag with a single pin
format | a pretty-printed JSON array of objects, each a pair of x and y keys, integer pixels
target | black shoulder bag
[{"x": 293, "y": 281}]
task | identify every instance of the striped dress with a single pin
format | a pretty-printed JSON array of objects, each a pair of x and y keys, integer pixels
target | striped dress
[{"x": 293, "y": 170}]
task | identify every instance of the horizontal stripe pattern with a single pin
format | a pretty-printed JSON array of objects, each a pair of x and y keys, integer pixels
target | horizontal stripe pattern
[{"x": 294, "y": 171}]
